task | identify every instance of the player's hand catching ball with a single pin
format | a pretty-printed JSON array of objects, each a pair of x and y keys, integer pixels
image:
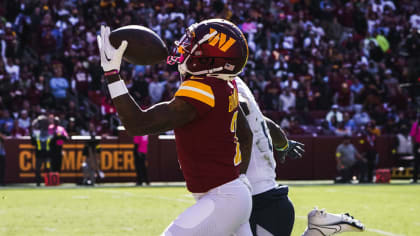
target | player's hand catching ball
[
  {"x": 110, "y": 57},
  {"x": 293, "y": 150}
]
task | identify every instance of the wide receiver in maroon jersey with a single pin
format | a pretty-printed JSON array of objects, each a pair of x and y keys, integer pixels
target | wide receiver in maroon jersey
[{"x": 208, "y": 124}]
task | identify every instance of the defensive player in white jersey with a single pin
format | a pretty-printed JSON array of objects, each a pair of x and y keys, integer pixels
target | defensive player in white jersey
[{"x": 273, "y": 212}]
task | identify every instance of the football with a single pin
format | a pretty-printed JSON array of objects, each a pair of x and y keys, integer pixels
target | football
[{"x": 145, "y": 47}]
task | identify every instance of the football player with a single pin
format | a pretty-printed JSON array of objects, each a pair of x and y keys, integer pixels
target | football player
[
  {"x": 208, "y": 124},
  {"x": 272, "y": 211}
]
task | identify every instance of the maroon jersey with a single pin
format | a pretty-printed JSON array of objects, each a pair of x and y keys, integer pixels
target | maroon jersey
[{"x": 207, "y": 147}]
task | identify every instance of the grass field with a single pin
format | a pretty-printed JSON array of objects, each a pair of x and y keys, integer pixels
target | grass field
[{"x": 391, "y": 210}]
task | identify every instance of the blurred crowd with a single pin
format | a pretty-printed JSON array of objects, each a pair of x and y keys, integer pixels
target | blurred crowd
[{"x": 324, "y": 67}]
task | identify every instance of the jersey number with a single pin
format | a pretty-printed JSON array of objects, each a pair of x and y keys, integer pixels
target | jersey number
[{"x": 238, "y": 158}]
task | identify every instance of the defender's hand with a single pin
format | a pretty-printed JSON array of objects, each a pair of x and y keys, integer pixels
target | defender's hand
[
  {"x": 110, "y": 57},
  {"x": 293, "y": 150}
]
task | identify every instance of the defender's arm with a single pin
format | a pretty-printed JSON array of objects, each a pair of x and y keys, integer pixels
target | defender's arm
[
  {"x": 277, "y": 134},
  {"x": 284, "y": 146}
]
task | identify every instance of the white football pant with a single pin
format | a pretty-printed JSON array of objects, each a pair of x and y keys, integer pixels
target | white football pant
[{"x": 222, "y": 211}]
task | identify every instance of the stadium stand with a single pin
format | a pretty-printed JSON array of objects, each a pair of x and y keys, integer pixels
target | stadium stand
[{"x": 305, "y": 57}]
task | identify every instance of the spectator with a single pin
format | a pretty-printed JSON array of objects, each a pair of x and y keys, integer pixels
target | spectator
[
  {"x": 48, "y": 45},
  {"x": 271, "y": 95},
  {"x": 107, "y": 108},
  {"x": 404, "y": 144},
  {"x": 24, "y": 120},
  {"x": 156, "y": 89},
  {"x": 371, "y": 134},
  {"x": 295, "y": 127},
  {"x": 326, "y": 129},
  {"x": 357, "y": 89},
  {"x": 72, "y": 128},
  {"x": 11, "y": 40},
  {"x": 361, "y": 118},
  {"x": 290, "y": 82},
  {"x": 415, "y": 135},
  {"x": 59, "y": 135},
  {"x": 348, "y": 161},
  {"x": 415, "y": 19},
  {"x": 81, "y": 80},
  {"x": 91, "y": 167},
  {"x": 12, "y": 70},
  {"x": 140, "y": 155},
  {"x": 59, "y": 86},
  {"x": 288, "y": 100},
  {"x": 7, "y": 122},
  {"x": 17, "y": 131},
  {"x": 302, "y": 103},
  {"x": 382, "y": 42},
  {"x": 343, "y": 97},
  {"x": 341, "y": 130},
  {"x": 349, "y": 123},
  {"x": 334, "y": 113}
]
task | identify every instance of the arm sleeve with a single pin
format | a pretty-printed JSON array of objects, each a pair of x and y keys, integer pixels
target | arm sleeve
[{"x": 198, "y": 94}]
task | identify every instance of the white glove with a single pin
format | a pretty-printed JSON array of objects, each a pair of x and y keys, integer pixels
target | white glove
[
  {"x": 245, "y": 180},
  {"x": 110, "y": 57}
]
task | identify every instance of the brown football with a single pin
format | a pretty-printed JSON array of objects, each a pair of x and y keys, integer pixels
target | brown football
[{"x": 145, "y": 47}]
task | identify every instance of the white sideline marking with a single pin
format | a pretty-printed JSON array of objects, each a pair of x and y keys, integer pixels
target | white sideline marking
[
  {"x": 384, "y": 232},
  {"x": 127, "y": 228}
]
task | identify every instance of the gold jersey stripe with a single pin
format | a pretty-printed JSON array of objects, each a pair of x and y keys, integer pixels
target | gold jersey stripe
[
  {"x": 197, "y": 85},
  {"x": 195, "y": 95}
]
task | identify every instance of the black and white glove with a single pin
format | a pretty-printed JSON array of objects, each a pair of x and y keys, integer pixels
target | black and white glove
[
  {"x": 293, "y": 149},
  {"x": 110, "y": 57}
]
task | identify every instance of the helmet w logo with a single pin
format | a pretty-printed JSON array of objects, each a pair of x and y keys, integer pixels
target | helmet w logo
[{"x": 221, "y": 38}]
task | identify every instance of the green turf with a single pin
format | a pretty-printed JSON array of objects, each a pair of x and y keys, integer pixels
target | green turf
[{"x": 391, "y": 210}]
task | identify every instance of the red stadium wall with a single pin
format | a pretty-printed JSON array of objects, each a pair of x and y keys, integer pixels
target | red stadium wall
[{"x": 117, "y": 159}]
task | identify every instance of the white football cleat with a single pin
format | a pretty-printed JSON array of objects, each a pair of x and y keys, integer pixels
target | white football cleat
[{"x": 322, "y": 223}]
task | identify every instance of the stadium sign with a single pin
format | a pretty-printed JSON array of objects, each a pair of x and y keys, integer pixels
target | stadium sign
[{"x": 116, "y": 160}]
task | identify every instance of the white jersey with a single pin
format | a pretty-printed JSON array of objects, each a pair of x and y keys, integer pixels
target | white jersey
[{"x": 261, "y": 170}]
